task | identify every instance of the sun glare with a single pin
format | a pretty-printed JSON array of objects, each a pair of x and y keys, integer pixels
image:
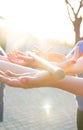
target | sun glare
[
  {"x": 43, "y": 19},
  {"x": 47, "y": 108}
]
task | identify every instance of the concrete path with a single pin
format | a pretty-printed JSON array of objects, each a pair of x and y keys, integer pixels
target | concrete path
[{"x": 38, "y": 109}]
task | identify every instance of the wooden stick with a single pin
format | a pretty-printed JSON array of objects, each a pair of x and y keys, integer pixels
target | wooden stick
[{"x": 52, "y": 69}]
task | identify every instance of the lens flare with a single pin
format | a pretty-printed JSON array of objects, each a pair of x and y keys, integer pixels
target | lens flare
[{"x": 47, "y": 108}]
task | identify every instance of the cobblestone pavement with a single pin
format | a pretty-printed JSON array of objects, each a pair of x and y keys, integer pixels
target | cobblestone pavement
[{"x": 38, "y": 109}]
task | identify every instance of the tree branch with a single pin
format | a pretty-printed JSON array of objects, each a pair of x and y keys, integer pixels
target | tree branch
[
  {"x": 80, "y": 6},
  {"x": 67, "y": 3}
]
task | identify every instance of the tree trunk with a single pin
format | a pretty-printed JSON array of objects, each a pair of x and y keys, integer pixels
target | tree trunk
[
  {"x": 77, "y": 35},
  {"x": 76, "y": 25}
]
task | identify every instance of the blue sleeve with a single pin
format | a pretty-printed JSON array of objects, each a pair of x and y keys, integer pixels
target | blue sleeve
[
  {"x": 80, "y": 45},
  {"x": 2, "y": 52}
]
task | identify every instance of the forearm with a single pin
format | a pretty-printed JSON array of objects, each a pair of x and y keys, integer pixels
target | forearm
[
  {"x": 71, "y": 84},
  {"x": 5, "y": 65},
  {"x": 77, "y": 67},
  {"x": 4, "y": 58}
]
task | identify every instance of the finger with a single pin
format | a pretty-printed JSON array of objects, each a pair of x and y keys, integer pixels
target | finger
[
  {"x": 15, "y": 51},
  {"x": 25, "y": 60},
  {"x": 11, "y": 55},
  {"x": 50, "y": 49},
  {"x": 76, "y": 53},
  {"x": 37, "y": 50},
  {"x": 9, "y": 81},
  {"x": 11, "y": 74},
  {"x": 2, "y": 73},
  {"x": 13, "y": 82},
  {"x": 24, "y": 57},
  {"x": 16, "y": 59}
]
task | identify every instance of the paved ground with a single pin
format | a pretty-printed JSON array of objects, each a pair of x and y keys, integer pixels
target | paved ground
[{"x": 38, "y": 109}]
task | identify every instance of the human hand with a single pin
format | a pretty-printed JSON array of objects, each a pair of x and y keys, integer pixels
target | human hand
[
  {"x": 28, "y": 80},
  {"x": 71, "y": 61},
  {"x": 50, "y": 55},
  {"x": 20, "y": 58}
]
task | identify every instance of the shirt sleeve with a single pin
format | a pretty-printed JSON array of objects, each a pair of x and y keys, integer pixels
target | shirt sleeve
[
  {"x": 80, "y": 45},
  {"x": 2, "y": 52}
]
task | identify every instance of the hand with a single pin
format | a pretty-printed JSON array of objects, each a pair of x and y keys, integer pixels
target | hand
[
  {"x": 20, "y": 58},
  {"x": 28, "y": 80},
  {"x": 49, "y": 55},
  {"x": 69, "y": 65}
]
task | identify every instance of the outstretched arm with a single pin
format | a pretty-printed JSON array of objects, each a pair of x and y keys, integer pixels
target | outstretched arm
[
  {"x": 6, "y": 65},
  {"x": 37, "y": 78},
  {"x": 43, "y": 79},
  {"x": 71, "y": 84}
]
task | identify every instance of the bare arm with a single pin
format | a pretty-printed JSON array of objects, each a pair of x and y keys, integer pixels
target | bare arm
[
  {"x": 76, "y": 68},
  {"x": 43, "y": 79},
  {"x": 71, "y": 84},
  {"x": 5, "y": 65}
]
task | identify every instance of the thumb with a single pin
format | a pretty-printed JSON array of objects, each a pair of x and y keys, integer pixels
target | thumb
[{"x": 76, "y": 54}]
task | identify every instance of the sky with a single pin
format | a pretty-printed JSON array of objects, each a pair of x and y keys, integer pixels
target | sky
[{"x": 41, "y": 18}]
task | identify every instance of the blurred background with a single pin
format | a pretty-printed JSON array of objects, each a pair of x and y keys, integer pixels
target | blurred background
[
  {"x": 44, "y": 23},
  {"x": 26, "y": 23}
]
